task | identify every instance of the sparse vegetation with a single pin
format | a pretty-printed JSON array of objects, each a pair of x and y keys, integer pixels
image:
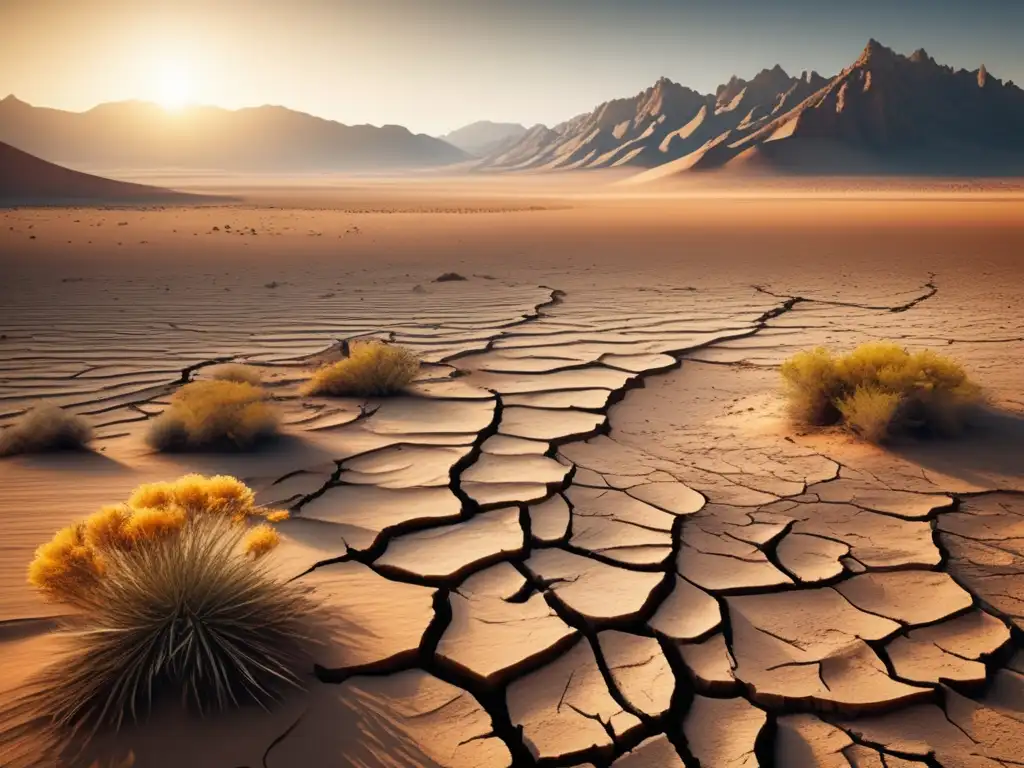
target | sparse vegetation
[
  {"x": 372, "y": 368},
  {"x": 237, "y": 372},
  {"x": 174, "y": 601},
  {"x": 43, "y": 429},
  {"x": 870, "y": 412},
  {"x": 880, "y": 390},
  {"x": 215, "y": 415}
]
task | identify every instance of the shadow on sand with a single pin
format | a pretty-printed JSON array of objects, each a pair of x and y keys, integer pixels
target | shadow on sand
[
  {"x": 93, "y": 462},
  {"x": 989, "y": 454},
  {"x": 275, "y": 458},
  {"x": 323, "y": 725}
]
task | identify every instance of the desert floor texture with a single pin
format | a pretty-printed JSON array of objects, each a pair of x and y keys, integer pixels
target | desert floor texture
[{"x": 588, "y": 534}]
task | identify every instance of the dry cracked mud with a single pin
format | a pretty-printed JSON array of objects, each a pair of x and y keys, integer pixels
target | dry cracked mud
[{"x": 586, "y": 535}]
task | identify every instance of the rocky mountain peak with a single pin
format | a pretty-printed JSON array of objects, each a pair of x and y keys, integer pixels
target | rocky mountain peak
[{"x": 876, "y": 53}]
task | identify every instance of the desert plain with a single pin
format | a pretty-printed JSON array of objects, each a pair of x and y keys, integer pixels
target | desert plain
[{"x": 588, "y": 533}]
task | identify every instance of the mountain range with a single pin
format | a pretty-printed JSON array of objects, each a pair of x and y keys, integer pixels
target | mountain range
[
  {"x": 140, "y": 135},
  {"x": 886, "y": 113}
]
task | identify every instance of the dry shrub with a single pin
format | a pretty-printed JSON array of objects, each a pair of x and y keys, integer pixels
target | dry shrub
[
  {"x": 372, "y": 368},
  {"x": 214, "y": 415},
  {"x": 76, "y": 556},
  {"x": 880, "y": 390},
  {"x": 43, "y": 429},
  {"x": 870, "y": 413},
  {"x": 237, "y": 372},
  {"x": 812, "y": 386},
  {"x": 176, "y": 602}
]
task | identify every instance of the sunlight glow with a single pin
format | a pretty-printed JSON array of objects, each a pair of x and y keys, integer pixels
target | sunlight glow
[{"x": 173, "y": 85}]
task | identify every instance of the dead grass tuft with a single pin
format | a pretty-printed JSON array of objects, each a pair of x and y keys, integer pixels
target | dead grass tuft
[
  {"x": 214, "y": 415},
  {"x": 880, "y": 390},
  {"x": 372, "y": 369},
  {"x": 175, "y": 603},
  {"x": 43, "y": 429}
]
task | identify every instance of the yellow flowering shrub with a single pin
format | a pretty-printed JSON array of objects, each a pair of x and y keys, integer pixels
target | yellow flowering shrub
[{"x": 67, "y": 567}]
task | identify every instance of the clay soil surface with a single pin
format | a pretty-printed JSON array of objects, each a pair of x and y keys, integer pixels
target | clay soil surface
[{"x": 588, "y": 534}]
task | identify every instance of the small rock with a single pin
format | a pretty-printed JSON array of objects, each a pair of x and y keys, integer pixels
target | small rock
[{"x": 449, "y": 277}]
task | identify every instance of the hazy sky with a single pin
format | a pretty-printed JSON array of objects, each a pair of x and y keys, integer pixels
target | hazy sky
[{"x": 434, "y": 65}]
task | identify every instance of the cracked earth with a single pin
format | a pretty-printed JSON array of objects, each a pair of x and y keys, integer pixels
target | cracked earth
[{"x": 587, "y": 535}]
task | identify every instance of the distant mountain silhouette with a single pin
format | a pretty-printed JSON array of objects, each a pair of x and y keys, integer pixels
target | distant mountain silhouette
[
  {"x": 484, "y": 137},
  {"x": 885, "y": 114},
  {"x": 140, "y": 135},
  {"x": 27, "y": 180}
]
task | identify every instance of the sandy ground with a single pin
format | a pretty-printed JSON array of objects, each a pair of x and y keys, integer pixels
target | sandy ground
[{"x": 690, "y": 559}]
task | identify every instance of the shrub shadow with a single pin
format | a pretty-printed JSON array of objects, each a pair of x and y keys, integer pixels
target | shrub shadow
[
  {"x": 69, "y": 460},
  {"x": 274, "y": 457},
  {"x": 990, "y": 453},
  {"x": 325, "y": 725}
]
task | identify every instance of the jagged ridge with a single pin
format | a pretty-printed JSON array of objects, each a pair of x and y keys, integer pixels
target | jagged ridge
[{"x": 885, "y": 113}]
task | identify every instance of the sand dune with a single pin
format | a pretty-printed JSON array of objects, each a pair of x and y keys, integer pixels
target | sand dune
[{"x": 27, "y": 180}]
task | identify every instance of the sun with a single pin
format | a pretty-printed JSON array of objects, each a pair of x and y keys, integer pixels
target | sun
[{"x": 173, "y": 85}]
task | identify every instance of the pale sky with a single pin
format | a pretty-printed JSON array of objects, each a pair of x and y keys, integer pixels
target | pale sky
[{"x": 435, "y": 65}]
